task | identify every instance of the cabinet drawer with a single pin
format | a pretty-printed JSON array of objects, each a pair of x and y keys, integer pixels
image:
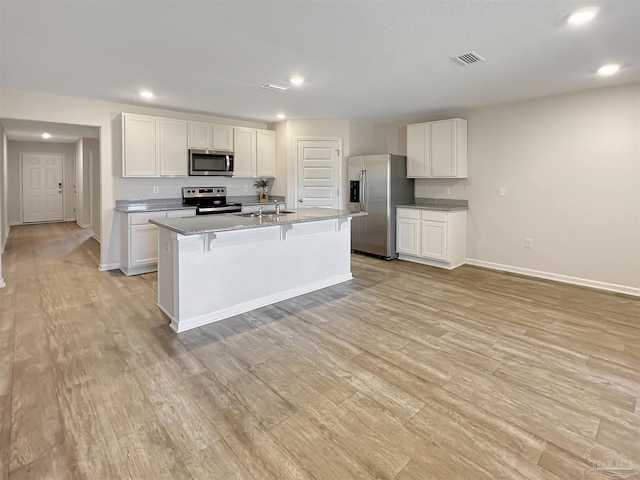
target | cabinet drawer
[
  {"x": 144, "y": 217},
  {"x": 434, "y": 215},
  {"x": 408, "y": 213}
]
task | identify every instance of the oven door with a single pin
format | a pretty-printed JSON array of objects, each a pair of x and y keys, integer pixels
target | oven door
[{"x": 210, "y": 162}]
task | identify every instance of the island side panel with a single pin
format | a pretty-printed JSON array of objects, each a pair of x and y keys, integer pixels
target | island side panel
[
  {"x": 223, "y": 274},
  {"x": 167, "y": 269}
]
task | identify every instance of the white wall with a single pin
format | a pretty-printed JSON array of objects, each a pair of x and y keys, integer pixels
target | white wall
[
  {"x": 4, "y": 221},
  {"x": 571, "y": 168},
  {"x": 91, "y": 155},
  {"x": 14, "y": 149},
  {"x": 4, "y": 191},
  {"x": 79, "y": 184},
  {"x": 55, "y": 108},
  {"x": 361, "y": 139}
]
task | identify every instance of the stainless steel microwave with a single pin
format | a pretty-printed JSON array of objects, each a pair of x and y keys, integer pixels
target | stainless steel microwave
[{"x": 210, "y": 162}]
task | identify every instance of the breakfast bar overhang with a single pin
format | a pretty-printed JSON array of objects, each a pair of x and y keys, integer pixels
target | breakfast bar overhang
[{"x": 214, "y": 267}]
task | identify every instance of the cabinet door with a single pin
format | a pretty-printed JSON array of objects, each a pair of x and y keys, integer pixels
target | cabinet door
[
  {"x": 244, "y": 152},
  {"x": 443, "y": 149},
  {"x": 266, "y": 153},
  {"x": 139, "y": 146},
  {"x": 200, "y": 135},
  {"x": 223, "y": 137},
  {"x": 408, "y": 236},
  {"x": 144, "y": 245},
  {"x": 418, "y": 150},
  {"x": 173, "y": 147},
  {"x": 434, "y": 240}
]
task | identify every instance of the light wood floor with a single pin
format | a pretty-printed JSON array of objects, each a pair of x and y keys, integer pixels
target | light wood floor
[{"x": 407, "y": 372}]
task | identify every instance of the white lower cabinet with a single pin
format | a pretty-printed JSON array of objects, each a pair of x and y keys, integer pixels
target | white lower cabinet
[
  {"x": 140, "y": 240},
  {"x": 408, "y": 232},
  {"x": 432, "y": 237}
]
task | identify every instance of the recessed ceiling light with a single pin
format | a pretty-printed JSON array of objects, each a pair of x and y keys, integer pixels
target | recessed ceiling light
[
  {"x": 609, "y": 69},
  {"x": 582, "y": 16},
  {"x": 297, "y": 80},
  {"x": 281, "y": 116},
  {"x": 46, "y": 135},
  {"x": 146, "y": 94}
]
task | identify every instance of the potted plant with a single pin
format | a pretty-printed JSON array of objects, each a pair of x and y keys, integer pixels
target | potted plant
[{"x": 262, "y": 186}]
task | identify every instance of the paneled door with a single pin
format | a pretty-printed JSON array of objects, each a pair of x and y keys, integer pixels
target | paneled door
[
  {"x": 319, "y": 167},
  {"x": 41, "y": 187}
]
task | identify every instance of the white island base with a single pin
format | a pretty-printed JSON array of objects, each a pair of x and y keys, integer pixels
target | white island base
[{"x": 206, "y": 277}]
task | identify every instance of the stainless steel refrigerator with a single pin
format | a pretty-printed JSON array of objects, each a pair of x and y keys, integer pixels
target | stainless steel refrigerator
[{"x": 377, "y": 183}]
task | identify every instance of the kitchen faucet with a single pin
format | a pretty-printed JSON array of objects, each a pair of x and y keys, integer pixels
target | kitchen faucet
[{"x": 277, "y": 207}]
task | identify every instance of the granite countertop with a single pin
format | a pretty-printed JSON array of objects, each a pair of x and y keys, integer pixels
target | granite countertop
[
  {"x": 233, "y": 221},
  {"x": 160, "y": 204},
  {"x": 443, "y": 204},
  {"x": 423, "y": 206},
  {"x": 151, "y": 205}
]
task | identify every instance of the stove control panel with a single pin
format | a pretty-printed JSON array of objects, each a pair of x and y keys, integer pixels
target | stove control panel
[{"x": 204, "y": 192}]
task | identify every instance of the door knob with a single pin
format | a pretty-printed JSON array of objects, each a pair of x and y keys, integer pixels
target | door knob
[{"x": 300, "y": 200}]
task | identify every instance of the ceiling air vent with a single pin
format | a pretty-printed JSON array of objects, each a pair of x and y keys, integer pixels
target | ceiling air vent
[
  {"x": 467, "y": 59},
  {"x": 275, "y": 87}
]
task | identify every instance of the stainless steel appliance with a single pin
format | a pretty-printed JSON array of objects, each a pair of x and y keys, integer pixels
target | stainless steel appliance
[
  {"x": 377, "y": 183},
  {"x": 209, "y": 200},
  {"x": 210, "y": 163}
]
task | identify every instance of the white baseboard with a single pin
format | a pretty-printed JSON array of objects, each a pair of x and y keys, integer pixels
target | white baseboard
[
  {"x": 188, "y": 324},
  {"x": 583, "y": 282},
  {"x": 108, "y": 266},
  {"x": 69, "y": 219},
  {"x": 96, "y": 237},
  {"x": 83, "y": 225},
  {"x": 2, "y": 284},
  {"x": 13, "y": 224}
]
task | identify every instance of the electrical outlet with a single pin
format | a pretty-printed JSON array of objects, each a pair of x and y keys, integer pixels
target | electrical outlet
[
  {"x": 528, "y": 243},
  {"x": 246, "y": 188},
  {"x": 503, "y": 191},
  {"x": 156, "y": 189},
  {"x": 447, "y": 190}
]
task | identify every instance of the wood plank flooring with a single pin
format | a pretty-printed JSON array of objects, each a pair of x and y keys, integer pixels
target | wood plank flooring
[{"x": 405, "y": 373}]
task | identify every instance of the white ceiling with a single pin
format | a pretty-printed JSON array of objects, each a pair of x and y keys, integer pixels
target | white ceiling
[{"x": 364, "y": 60}]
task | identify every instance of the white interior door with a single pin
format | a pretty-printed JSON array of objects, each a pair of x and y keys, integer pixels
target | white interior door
[
  {"x": 41, "y": 187},
  {"x": 318, "y": 163}
]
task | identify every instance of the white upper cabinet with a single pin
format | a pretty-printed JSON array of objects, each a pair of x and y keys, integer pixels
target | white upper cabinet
[
  {"x": 437, "y": 149},
  {"x": 208, "y": 136},
  {"x": 159, "y": 147},
  {"x": 266, "y": 153},
  {"x": 153, "y": 146},
  {"x": 254, "y": 153},
  {"x": 223, "y": 137},
  {"x": 139, "y": 146},
  {"x": 244, "y": 152},
  {"x": 418, "y": 161},
  {"x": 173, "y": 147},
  {"x": 200, "y": 135}
]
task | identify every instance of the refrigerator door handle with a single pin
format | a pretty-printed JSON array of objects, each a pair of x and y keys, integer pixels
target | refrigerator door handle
[{"x": 363, "y": 180}]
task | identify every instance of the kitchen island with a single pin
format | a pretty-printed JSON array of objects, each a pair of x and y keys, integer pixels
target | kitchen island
[{"x": 212, "y": 267}]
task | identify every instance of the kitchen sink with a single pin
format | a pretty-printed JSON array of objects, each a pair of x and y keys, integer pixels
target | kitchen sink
[{"x": 271, "y": 213}]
